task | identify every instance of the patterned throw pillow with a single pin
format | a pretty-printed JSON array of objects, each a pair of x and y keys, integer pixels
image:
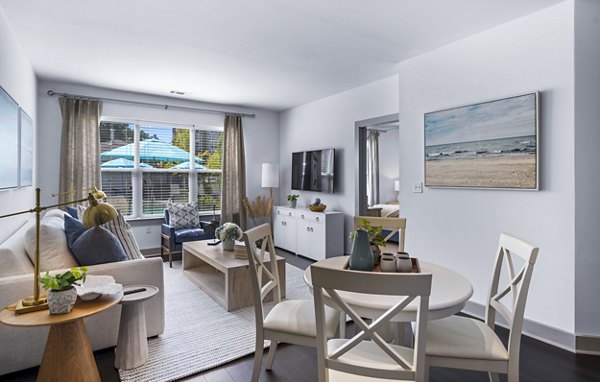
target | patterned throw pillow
[
  {"x": 122, "y": 230},
  {"x": 183, "y": 216}
]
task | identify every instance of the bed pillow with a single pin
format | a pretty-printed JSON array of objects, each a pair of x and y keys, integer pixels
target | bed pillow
[
  {"x": 183, "y": 216},
  {"x": 97, "y": 246},
  {"x": 54, "y": 251}
]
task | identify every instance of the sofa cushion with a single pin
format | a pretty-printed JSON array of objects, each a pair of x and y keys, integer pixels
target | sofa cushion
[
  {"x": 189, "y": 234},
  {"x": 54, "y": 251},
  {"x": 9, "y": 265},
  {"x": 97, "y": 246},
  {"x": 183, "y": 216}
]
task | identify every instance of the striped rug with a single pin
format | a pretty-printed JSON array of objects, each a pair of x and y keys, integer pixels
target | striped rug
[{"x": 199, "y": 333}]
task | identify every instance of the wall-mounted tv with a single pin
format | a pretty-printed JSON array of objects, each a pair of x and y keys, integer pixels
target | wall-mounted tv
[{"x": 313, "y": 170}]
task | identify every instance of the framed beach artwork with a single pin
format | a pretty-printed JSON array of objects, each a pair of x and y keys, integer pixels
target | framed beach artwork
[
  {"x": 26, "y": 150},
  {"x": 485, "y": 145},
  {"x": 9, "y": 142}
]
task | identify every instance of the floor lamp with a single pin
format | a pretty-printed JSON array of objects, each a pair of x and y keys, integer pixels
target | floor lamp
[{"x": 270, "y": 180}]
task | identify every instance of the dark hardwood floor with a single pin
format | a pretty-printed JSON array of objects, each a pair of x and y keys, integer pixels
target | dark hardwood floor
[{"x": 540, "y": 362}]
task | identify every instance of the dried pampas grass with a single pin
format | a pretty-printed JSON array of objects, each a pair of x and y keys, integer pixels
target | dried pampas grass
[{"x": 260, "y": 207}]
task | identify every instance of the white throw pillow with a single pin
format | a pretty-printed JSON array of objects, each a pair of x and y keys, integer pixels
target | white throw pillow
[{"x": 54, "y": 251}]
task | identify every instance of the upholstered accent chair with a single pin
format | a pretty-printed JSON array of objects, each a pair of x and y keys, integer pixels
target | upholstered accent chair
[{"x": 172, "y": 238}]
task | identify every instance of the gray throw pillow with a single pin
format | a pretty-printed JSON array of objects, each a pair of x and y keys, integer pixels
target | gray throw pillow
[
  {"x": 122, "y": 230},
  {"x": 97, "y": 246}
]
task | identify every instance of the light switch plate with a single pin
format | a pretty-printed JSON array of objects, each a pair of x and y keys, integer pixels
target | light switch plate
[{"x": 417, "y": 188}]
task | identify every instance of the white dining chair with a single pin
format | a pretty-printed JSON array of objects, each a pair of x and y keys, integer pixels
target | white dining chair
[
  {"x": 367, "y": 356},
  {"x": 289, "y": 321},
  {"x": 393, "y": 225},
  {"x": 466, "y": 343}
]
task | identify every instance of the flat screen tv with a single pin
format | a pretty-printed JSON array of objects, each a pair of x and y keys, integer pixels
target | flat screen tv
[{"x": 313, "y": 170}]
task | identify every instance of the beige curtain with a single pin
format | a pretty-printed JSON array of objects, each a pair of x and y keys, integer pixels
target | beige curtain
[
  {"x": 80, "y": 147},
  {"x": 233, "y": 189}
]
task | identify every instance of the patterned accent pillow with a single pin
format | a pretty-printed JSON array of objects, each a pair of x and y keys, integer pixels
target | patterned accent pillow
[
  {"x": 122, "y": 230},
  {"x": 183, "y": 216}
]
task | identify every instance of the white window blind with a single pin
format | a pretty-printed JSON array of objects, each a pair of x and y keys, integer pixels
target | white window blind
[{"x": 165, "y": 164}]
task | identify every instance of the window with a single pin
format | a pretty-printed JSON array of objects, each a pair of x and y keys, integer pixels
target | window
[{"x": 144, "y": 167}]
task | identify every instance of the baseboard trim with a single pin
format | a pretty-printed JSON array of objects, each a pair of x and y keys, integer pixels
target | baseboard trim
[
  {"x": 150, "y": 252},
  {"x": 548, "y": 334}
]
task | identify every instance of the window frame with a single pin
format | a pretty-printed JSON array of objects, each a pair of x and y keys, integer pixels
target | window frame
[{"x": 137, "y": 172}]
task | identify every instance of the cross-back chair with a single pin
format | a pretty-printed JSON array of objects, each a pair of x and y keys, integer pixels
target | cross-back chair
[
  {"x": 465, "y": 343},
  {"x": 367, "y": 354},
  {"x": 393, "y": 225},
  {"x": 289, "y": 321}
]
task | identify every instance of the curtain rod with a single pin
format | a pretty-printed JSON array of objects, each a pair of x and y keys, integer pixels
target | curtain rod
[{"x": 164, "y": 106}]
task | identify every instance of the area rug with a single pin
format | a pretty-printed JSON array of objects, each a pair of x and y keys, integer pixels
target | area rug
[{"x": 199, "y": 333}]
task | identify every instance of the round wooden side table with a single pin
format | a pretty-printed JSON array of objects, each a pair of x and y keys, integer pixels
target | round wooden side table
[
  {"x": 68, "y": 355},
  {"x": 132, "y": 345}
]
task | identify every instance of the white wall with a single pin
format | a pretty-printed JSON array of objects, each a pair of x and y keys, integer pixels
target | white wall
[
  {"x": 587, "y": 166},
  {"x": 460, "y": 228},
  {"x": 388, "y": 165},
  {"x": 18, "y": 79},
  {"x": 261, "y": 137},
  {"x": 329, "y": 123}
]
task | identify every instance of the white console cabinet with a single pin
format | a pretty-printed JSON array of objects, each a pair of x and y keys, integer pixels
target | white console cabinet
[{"x": 316, "y": 235}]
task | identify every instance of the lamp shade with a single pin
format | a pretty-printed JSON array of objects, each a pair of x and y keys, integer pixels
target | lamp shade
[
  {"x": 396, "y": 185},
  {"x": 270, "y": 175}
]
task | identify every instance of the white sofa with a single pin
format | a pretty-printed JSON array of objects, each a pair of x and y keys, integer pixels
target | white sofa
[{"x": 22, "y": 348}]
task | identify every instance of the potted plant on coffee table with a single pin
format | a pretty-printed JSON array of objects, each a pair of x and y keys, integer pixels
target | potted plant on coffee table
[{"x": 61, "y": 293}]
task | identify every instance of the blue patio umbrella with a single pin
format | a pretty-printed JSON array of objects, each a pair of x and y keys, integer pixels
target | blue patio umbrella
[
  {"x": 150, "y": 150},
  {"x": 122, "y": 163},
  {"x": 186, "y": 166}
]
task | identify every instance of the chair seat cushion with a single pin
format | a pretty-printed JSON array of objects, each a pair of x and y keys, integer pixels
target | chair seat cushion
[
  {"x": 367, "y": 354},
  {"x": 189, "y": 234},
  {"x": 462, "y": 337},
  {"x": 298, "y": 317}
]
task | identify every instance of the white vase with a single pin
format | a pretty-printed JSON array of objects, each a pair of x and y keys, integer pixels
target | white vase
[
  {"x": 228, "y": 244},
  {"x": 62, "y": 302}
]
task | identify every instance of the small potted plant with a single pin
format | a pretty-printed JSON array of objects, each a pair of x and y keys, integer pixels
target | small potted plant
[
  {"x": 293, "y": 199},
  {"x": 61, "y": 293},
  {"x": 228, "y": 233}
]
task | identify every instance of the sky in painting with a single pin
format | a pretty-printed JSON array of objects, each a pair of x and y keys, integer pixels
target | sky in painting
[{"x": 509, "y": 117}]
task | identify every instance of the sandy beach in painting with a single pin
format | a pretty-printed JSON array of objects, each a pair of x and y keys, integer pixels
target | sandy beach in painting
[{"x": 514, "y": 171}]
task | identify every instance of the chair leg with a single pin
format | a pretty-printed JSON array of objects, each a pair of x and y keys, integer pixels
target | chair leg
[
  {"x": 170, "y": 255},
  {"x": 271, "y": 356},
  {"x": 258, "y": 353},
  {"x": 495, "y": 378}
]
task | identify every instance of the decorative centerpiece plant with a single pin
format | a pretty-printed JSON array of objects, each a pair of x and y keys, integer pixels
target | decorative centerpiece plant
[
  {"x": 228, "y": 233},
  {"x": 61, "y": 294},
  {"x": 376, "y": 239}
]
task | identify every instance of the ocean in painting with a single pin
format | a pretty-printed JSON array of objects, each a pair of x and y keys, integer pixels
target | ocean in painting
[{"x": 482, "y": 149}]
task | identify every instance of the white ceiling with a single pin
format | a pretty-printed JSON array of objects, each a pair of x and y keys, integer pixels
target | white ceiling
[{"x": 272, "y": 54}]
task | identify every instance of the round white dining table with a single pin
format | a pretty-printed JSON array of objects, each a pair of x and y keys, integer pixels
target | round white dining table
[{"x": 449, "y": 293}]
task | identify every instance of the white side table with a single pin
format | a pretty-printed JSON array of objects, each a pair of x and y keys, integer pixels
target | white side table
[{"x": 132, "y": 345}]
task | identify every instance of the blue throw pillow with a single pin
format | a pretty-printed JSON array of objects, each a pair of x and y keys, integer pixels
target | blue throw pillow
[
  {"x": 73, "y": 229},
  {"x": 97, "y": 246},
  {"x": 73, "y": 212}
]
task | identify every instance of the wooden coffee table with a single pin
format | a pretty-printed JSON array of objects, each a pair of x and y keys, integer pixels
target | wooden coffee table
[
  {"x": 68, "y": 354},
  {"x": 220, "y": 275}
]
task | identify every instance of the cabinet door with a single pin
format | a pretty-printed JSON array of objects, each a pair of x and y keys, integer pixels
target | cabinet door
[
  {"x": 304, "y": 238},
  {"x": 317, "y": 241},
  {"x": 290, "y": 236},
  {"x": 279, "y": 231}
]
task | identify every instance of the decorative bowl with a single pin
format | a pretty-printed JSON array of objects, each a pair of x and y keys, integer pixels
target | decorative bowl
[
  {"x": 95, "y": 286},
  {"x": 317, "y": 208}
]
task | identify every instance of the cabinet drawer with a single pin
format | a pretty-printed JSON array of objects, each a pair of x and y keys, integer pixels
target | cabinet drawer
[{"x": 312, "y": 217}]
